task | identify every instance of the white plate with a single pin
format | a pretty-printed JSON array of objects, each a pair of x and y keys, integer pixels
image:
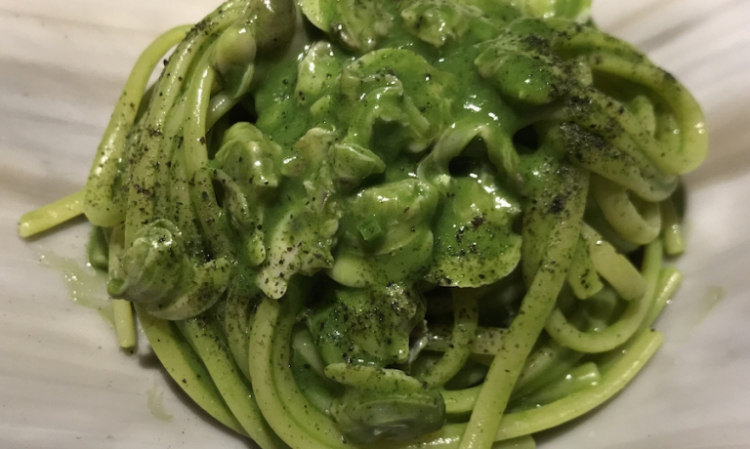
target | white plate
[{"x": 64, "y": 384}]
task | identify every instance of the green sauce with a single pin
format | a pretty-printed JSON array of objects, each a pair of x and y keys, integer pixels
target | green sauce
[
  {"x": 155, "y": 402},
  {"x": 86, "y": 286}
]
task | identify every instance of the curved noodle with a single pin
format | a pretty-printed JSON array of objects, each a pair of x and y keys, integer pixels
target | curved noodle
[{"x": 620, "y": 332}]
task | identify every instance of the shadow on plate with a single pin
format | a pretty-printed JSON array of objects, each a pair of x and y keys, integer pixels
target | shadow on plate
[{"x": 148, "y": 360}]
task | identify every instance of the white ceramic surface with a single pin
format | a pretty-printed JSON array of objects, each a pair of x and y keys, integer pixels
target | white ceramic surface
[{"x": 64, "y": 384}]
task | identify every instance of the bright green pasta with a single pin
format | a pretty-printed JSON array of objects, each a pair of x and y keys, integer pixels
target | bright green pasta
[{"x": 410, "y": 224}]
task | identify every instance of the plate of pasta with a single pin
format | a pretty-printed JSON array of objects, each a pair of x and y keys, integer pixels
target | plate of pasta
[{"x": 319, "y": 224}]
